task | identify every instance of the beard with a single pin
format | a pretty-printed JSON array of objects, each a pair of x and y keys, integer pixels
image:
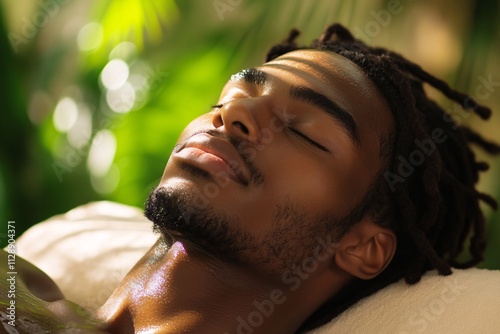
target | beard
[
  {"x": 291, "y": 239},
  {"x": 177, "y": 214}
]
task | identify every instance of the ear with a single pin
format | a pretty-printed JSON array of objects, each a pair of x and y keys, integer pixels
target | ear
[{"x": 366, "y": 250}]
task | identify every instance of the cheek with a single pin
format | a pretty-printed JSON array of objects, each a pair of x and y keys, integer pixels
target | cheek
[
  {"x": 334, "y": 185},
  {"x": 311, "y": 183},
  {"x": 359, "y": 171}
]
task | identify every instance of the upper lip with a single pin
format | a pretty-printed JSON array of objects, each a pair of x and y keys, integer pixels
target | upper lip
[{"x": 223, "y": 149}]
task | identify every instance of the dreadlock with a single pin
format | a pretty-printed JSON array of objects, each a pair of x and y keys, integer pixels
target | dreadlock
[{"x": 436, "y": 209}]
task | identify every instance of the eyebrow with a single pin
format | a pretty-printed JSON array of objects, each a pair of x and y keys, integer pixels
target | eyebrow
[
  {"x": 250, "y": 75},
  {"x": 307, "y": 95}
]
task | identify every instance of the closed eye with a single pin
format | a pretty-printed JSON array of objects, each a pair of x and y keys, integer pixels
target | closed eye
[{"x": 308, "y": 140}]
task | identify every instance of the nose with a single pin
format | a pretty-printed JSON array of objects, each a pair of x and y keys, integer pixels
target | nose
[{"x": 238, "y": 117}]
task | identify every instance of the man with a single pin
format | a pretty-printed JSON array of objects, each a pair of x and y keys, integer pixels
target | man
[{"x": 319, "y": 177}]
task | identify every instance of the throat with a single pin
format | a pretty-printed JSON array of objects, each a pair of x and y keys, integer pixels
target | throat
[{"x": 179, "y": 289}]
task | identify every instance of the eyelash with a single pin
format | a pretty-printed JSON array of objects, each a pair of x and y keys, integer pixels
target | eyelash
[
  {"x": 294, "y": 131},
  {"x": 308, "y": 140}
]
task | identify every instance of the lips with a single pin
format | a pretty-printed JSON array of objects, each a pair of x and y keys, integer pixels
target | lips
[{"x": 214, "y": 155}]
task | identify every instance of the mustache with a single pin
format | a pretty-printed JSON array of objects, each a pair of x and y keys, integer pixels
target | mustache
[{"x": 242, "y": 147}]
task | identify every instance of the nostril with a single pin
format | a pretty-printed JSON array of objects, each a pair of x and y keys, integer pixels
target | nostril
[
  {"x": 217, "y": 120},
  {"x": 242, "y": 127}
]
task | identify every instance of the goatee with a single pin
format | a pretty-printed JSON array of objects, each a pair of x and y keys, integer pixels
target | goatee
[{"x": 176, "y": 215}]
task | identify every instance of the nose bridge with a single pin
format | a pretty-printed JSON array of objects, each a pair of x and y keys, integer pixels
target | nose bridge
[{"x": 246, "y": 117}]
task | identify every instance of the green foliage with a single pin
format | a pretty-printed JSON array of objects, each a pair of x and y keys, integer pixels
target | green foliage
[{"x": 132, "y": 20}]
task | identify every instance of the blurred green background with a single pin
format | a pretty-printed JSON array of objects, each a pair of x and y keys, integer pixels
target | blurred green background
[{"x": 95, "y": 93}]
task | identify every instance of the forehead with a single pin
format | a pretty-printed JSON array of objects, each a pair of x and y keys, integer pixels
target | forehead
[
  {"x": 329, "y": 72},
  {"x": 326, "y": 66}
]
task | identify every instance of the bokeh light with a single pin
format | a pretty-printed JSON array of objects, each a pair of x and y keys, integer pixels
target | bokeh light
[
  {"x": 65, "y": 114},
  {"x": 90, "y": 36},
  {"x": 102, "y": 152},
  {"x": 114, "y": 74}
]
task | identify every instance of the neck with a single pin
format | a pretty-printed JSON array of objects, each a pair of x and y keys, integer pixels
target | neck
[{"x": 180, "y": 289}]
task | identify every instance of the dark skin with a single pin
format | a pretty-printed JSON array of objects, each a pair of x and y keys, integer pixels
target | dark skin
[{"x": 184, "y": 288}]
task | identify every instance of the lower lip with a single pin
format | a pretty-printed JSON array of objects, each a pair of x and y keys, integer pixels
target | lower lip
[{"x": 208, "y": 162}]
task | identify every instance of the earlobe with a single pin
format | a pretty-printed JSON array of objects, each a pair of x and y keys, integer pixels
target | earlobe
[{"x": 366, "y": 250}]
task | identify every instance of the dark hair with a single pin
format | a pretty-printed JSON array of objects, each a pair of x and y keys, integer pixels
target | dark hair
[{"x": 434, "y": 207}]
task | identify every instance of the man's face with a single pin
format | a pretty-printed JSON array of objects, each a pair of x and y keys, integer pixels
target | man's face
[{"x": 291, "y": 148}]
